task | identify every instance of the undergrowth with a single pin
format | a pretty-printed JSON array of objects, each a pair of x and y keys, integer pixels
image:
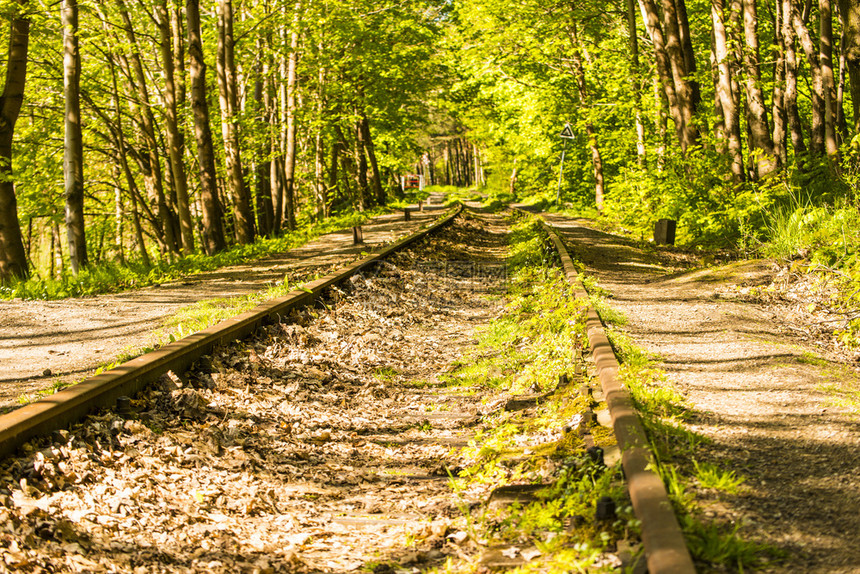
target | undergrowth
[
  {"x": 113, "y": 276},
  {"x": 524, "y": 350}
]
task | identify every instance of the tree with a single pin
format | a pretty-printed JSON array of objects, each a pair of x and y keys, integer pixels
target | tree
[
  {"x": 761, "y": 144},
  {"x": 849, "y": 11},
  {"x": 213, "y": 232},
  {"x": 13, "y": 259},
  {"x": 175, "y": 138},
  {"x": 227, "y": 89},
  {"x": 73, "y": 153}
]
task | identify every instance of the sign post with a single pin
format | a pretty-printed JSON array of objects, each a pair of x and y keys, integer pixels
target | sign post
[{"x": 566, "y": 134}]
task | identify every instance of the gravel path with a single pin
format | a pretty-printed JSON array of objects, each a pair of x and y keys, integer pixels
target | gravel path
[
  {"x": 756, "y": 391},
  {"x": 72, "y": 337}
]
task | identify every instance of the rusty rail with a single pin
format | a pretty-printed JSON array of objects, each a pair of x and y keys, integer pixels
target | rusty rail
[
  {"x": 73, "y": 403},
  {"x": 665, "y": 549}
]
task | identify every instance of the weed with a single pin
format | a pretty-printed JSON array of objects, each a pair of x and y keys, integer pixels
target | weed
[{"x": 711, "y": 476}]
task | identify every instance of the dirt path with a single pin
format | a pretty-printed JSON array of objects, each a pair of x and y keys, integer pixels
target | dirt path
[
  {"x": 72, "y": 337},
  {"x": 756, "y": 392}
]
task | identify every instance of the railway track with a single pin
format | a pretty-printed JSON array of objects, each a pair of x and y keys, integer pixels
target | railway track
[{"x": 353, "y": 426}]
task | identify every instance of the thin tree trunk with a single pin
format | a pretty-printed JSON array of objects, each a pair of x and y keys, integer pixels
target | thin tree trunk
[
  {"x": 825, "y": 58},
  {"x": 596, "y": 159},
  {"x": 376, "y": 181},
  {"x": 263, "y": 167},
  {"x": 138, "y": 234},
  {"x": 13, "y": 258},
  {"x": 332, "y": 175},
  {"x": 842, "y": 131},
  {"x": 360, "y": 160},
  {"x": 651, "y": 17},
  {"x": 850, "y": 12},
  {"x": 319, "y": 151},
  {"x": 118, "y": 216},
  {"x": 779, "y": 115},
  {"x": 73, "y": 155},
  {"x": 731, "y": 117},
  {"x": 227, "y": 89},
  {"x": 761, "y": 144},
  {"x": 151, "y": 164},
  {"x": 175, "y": 140},
  {"x": 290, "y": 143},
  {"x": 795, "y": 125},
  {"x": 213, "y": 230},
  {"x": 635, "y": 81},
  {"x": 816, "y": 139},
  {"x": 57, "y": 263}
]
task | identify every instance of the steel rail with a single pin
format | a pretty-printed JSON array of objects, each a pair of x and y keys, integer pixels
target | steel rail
[
  {"x": 73, "y": 403},
  {"x": 665, "y": 549}
]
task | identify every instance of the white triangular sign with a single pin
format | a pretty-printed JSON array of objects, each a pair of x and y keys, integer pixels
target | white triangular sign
[{"x": 567, "y": 132}]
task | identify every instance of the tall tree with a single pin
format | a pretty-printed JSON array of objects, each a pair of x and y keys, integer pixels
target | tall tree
[
  {"x": 175, "y": 139},
  {"x": 849, "y": 11},
  {"x": 227, "y": 89},
  {"x": 150, "y": 159},
  {"x": 290, "y": 117},
  {"x": 761, "y": 144},
  {"x": 828, "y": 86},
  {"x": 13, "y": 258},
  {"x": 73, "y": 150},
  {"x": 731, "y": 115},
  {"x": 213, "y": 231}
]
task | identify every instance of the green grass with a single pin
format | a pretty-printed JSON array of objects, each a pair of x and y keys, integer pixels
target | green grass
[
  {"x": 523, "y": 349},
  {"x": 111, "y": 276}
]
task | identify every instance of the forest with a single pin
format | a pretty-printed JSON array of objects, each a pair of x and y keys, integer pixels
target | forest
[{"x": 141, "y": 134}]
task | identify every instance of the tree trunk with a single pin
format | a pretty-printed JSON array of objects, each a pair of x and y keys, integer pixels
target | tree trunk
[
  {"x": 227, "y": 90},
  {"x": 13, "y": 258},
  {"x": 319, "y": 149},
  {"x": 651, "y": 17},
  {"x": 213, "y": 230},
  {"x": 842, "y": 131},
  {"x": 290, "y": 142},
  {"x": 263, "y": 165},
  {"x": 795, "y": 125},
  {"x": 761, "y": 144},
  {"x": 731, "y": 117},
  {"x": 73, "y": 146},
  {"x": 677, "y": 63},
  {"x": 596, "y": 159},
  {"x": 151, "y": 164},
  {"x": 825, "y": 58},
  {"x": 175, "y": 139},
  {"x": 332, "y": 175},
  {"x": 635, "y": 81},
  {"x": 376, "y": 181},
  {"x": 779, "y": 115},
  {"x": 360, "y": 160},
  {"x": 850, "y": 12},
  {"x": 816, "y": 139}
]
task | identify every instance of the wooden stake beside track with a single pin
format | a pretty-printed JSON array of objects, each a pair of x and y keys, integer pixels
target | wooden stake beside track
[{"x": 73, "y": 403}]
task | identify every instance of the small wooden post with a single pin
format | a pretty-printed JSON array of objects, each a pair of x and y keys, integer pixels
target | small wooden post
[
  {"x": 420, "y": 205},
  {"x": 407, "y": 214},
  {"x": 357, "y": 236},
  {"x": 664, "y": 232}
]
